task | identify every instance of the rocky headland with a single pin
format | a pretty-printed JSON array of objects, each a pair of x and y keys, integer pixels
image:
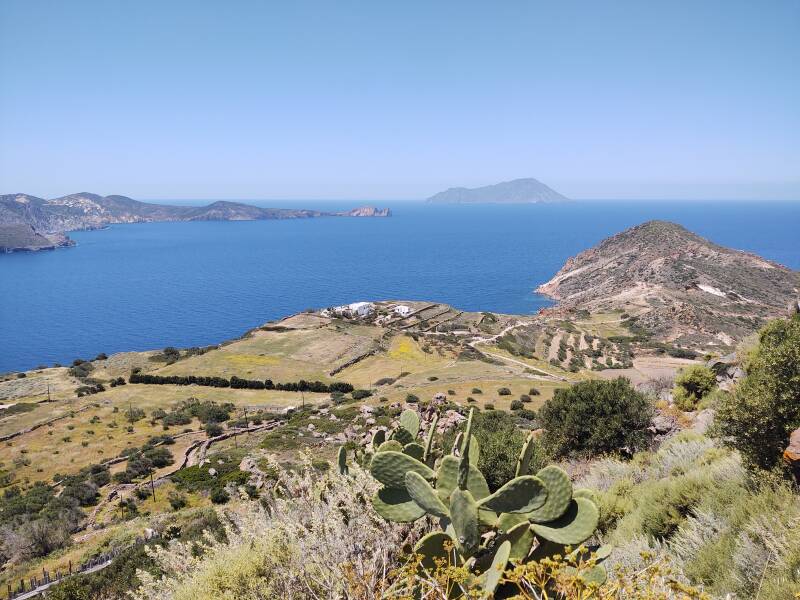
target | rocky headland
[{"x": 678, "y": 286}]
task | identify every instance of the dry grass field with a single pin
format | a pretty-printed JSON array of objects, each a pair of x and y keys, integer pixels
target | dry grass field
[{"x": 468, "y": 357}]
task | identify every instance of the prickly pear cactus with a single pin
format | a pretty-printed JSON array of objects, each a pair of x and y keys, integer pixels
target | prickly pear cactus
[{"x": 531, "y": 516}]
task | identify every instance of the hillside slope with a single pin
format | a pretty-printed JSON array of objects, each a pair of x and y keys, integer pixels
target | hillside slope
[{"x": 681, "y": 286}]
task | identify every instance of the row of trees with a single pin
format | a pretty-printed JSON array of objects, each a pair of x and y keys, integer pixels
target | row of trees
[{"x": 239, "y": 383}]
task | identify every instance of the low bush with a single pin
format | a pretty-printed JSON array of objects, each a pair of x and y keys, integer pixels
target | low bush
[
  {"x": 595, "y": 417},
  {"x": 360, "y": 394},
  {"x": 691, "y": 385},
  {"x": 503, "y": 391}
]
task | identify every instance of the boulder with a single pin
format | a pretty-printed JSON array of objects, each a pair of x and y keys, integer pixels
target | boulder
[
  {"x": 703, "y": 420},
  {"x": 663, "y": 424},
  {"x": 212, "y": 471}
]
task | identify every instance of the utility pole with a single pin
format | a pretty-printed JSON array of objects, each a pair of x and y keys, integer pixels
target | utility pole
[
  {"x": 48, "y": 393},
  {"x": 152, "y": 486}
]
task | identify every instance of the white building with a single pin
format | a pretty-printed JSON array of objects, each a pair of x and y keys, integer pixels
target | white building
[
  {"x": 361, "y": 309},
  {"x": 402, "y": 310}
]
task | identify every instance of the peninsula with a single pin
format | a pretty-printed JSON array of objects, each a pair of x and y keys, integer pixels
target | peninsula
[{"x": 31, "y": 223}]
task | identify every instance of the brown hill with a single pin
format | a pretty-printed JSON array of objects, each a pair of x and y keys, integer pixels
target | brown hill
[{"x": 681, "y": 287}]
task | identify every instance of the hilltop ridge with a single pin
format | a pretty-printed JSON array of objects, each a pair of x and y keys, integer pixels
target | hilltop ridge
[{"x": 679, "y": 285}]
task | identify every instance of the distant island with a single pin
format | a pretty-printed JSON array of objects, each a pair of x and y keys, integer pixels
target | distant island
[
  {"x": 518, "y": 191},
  {"x": 31, "y": 223}
]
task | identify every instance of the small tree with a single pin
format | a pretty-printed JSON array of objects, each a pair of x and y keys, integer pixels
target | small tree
[
  {"x": 213, "y": 429},
  {"x": 763, "y": 409},
  {"x": 593, "y": 417},
  {"x": 692, "y": 385}
]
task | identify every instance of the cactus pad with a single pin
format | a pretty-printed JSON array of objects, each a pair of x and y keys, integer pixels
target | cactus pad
[
  {"x": 474, "y": 450},
  {"x": 391, "y": 445},
  {"x": 396, "y": 505},
  {"x": 586, "y": 493},
  {"x": 424, "y": 495},
  {"x": 495, "y": 571},
  {"x": 576, "y": 525},
  {"x": 559, "y": 493},
  {"x": 390, "y": 468},
  {"x": 507, "y": 521},
  {"x": 447, "y": 479},
  {"x": 341, "y": 459},
  {"x": 520, "y": 495},
  {"x": 402, "y": 435},
  {"x": 521, "y": 538},
  {"x": 378, "y": 438},
  {"x": 432, "y": 546},
  {"x": 525, "y": 455},
  {"x": 464, "y": 518},
  {"x": 409, "y": 420},
  {"x": 414, "y": 450}
]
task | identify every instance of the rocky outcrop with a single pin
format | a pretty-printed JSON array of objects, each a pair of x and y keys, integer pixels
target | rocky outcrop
[
  {"x": 727, "y": 370},
  {"x": 682, "y": 287},
  {"x": 367, "y": 211}
]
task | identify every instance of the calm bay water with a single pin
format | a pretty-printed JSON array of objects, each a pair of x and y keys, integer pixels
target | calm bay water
[{"x": 144, "y": 286}]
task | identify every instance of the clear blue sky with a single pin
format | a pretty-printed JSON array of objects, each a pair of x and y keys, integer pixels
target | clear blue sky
[{"x": 373, "y": 99}]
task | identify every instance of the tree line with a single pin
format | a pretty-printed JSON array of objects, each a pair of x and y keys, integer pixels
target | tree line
[{"x": 239, "y": 383}]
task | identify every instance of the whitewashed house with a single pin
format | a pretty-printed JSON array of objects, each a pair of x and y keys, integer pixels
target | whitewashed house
[
  {"x": 402, "y": 310},
  {"x": 361, "y": 309}
]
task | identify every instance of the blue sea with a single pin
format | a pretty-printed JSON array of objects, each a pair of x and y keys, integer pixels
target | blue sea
[{"x": 144, "y": 286}]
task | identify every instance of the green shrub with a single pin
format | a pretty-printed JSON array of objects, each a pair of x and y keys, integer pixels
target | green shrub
[
  {"x": 692, "y": 385},
  {"x": 213, "y": 429},
  {"x": 489, "y": 406},
  {"x": 176, "y": 500},
  {"x": 527, "y": 414},
  {"x": 360, "y": 394},
  {"x": 763, "y": 409},
  {"x": 594, "y": 417},
  {"x": 476, "y": 391},
  {"x": 534, "y": 391},
  {"x": 219, "y": 496},
  {"x": 412, "y": 399},
  {"x": 525, "y": 398},
  {"x": 503, "y": 391},
  {"x": 517, "y": 405}
]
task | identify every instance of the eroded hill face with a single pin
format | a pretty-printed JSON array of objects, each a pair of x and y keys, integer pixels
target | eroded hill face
[{"x": 682, "y": 287}]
